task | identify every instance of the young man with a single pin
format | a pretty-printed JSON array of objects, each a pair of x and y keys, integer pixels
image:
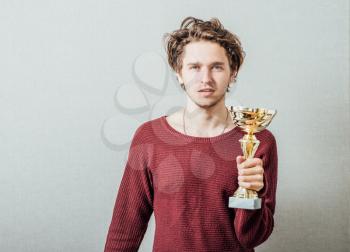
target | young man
[{"x": 185, "y": 166}]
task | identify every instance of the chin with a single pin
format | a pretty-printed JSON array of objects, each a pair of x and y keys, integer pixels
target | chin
[{"x": 207, "y": 104}]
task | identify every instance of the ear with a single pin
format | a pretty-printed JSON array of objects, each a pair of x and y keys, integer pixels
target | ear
[
  {"x": 179, "y": 78},
  {"x": 233, "y": 76}
]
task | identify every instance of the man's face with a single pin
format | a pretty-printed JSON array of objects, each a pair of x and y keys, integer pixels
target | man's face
[{"x": 205, "y": 73}]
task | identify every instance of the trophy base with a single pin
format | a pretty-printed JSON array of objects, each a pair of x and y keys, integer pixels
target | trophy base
[{"x": 235, "y": 202}]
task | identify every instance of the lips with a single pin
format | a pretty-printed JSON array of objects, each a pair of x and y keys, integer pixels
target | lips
[{"x": 206, "y": 90}]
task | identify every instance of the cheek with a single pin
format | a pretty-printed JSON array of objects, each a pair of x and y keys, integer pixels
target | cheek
[
  {"x": 225, "y": 81},
  {"x": 221, "y": 77},
  {"x": 192, "y": 78}
]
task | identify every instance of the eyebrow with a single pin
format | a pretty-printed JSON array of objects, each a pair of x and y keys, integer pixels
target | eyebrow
[{"x": 214, "y": 63}]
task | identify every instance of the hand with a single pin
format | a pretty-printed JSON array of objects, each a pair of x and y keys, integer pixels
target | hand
[{"x": 250, "y": 173}]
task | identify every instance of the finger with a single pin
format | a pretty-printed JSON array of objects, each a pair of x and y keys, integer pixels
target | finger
[
  {"x": 239, "y": 159},
  {"x": 251, "y": 185},
  {"x": 251, "y": 171},
  {"x": 253, "y": 178},
  {"x": 244, "y": 184},
  {"x": 251, "y": 162}
]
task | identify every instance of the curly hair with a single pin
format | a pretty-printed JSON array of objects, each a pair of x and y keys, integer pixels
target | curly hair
[{"x": 194, "y": 29}]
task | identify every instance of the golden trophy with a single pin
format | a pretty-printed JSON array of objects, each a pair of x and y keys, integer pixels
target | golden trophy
[{"x": 250, "y": 120}]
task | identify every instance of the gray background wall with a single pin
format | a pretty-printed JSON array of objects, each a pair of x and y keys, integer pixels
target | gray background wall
[{"x": 78, "y": 77}]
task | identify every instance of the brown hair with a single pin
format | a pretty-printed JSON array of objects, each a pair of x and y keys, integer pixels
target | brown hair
[{"x": 193, "y": 29}]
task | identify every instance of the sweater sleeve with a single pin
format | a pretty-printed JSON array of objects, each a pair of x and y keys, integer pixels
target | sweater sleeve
[
  {"x": 134, "y": 203},
  {"x": 253, "y": 227}
]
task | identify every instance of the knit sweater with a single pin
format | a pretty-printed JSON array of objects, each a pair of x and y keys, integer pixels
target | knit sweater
[{"x": 186, "y": 181}]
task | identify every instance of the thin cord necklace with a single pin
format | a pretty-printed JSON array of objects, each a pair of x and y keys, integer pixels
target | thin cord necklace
[{"x": 184, "y": 127}]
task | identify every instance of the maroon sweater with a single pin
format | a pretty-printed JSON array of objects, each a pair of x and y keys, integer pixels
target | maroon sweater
[{"x": 187, "y": 181}]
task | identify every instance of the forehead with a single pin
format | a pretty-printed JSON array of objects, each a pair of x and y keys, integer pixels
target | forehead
[{"x": 204, "y": 52}]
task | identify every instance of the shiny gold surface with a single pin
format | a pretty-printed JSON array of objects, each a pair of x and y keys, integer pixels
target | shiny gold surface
[{"x": 250, "y": 120}]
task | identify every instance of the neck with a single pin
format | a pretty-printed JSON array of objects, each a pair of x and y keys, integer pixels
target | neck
[{"x": 206, "y": 121}]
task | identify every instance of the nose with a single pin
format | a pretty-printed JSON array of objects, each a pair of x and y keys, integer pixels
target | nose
[{"x": 206, "y": 76}]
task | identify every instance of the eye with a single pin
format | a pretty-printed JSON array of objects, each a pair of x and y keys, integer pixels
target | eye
[
  {"x": 194, "y": 67},
  {"x": 218, "y": 67}
]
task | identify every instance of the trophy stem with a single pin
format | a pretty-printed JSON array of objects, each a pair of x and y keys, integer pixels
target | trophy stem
[
  {"x": 246, "y": 198},
  {"x": 249, "y": 145}
]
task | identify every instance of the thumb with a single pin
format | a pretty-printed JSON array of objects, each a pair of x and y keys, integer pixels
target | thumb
[{"x": 240, "y": 159}]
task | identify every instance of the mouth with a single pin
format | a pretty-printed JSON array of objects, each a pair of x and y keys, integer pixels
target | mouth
[{"x": 206, "y": 91}]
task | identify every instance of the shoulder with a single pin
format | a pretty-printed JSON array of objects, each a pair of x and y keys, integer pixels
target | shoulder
[
  {"x": 144, "y": 128},
  {"x": 266, "y": 136},
  {"x": 267, "y": 149},
  {"x": 268, "y": 144},
  {"x": 143, "y": 141},
  {"x": 147, "y": 129}
]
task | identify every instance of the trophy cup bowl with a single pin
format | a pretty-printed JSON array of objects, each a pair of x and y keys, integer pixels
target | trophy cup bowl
[{"x": 251, "y": 121}]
